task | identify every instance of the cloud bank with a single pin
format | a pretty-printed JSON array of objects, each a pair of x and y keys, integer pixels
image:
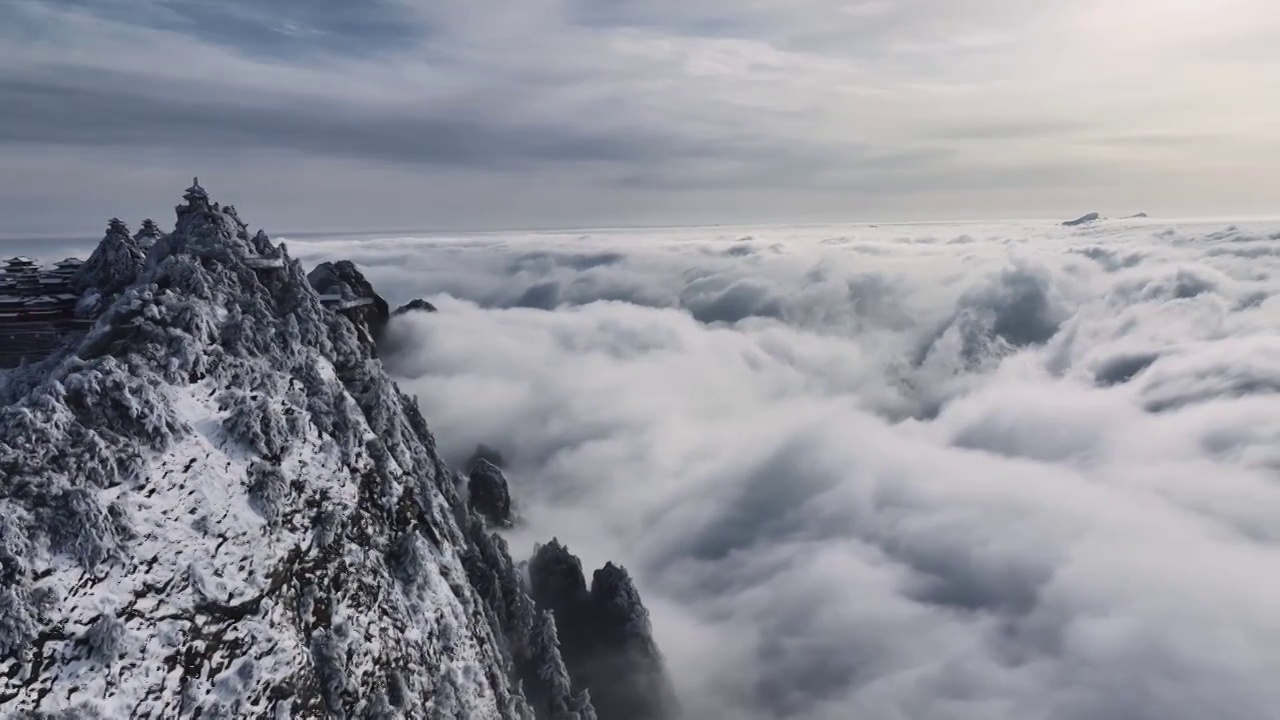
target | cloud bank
[
  {"x": 949, "y": 472},
  {"x": 422, "y": 113}
]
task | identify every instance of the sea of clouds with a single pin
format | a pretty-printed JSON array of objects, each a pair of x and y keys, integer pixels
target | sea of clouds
[
  {"x": 997, "y": 472},
  {"x": 980, "y": 472}
]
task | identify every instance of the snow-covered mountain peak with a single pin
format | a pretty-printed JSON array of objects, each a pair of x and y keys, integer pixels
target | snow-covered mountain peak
[{"x": 219, "y": 505}]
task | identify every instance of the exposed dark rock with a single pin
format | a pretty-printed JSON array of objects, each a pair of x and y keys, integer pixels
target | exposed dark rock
[
  {"x": 488, "y": 493},
  {"x": 345, "y": 281},
  {"x": 531, "y": 636},
  {"x": 605, "y": 636},
  {"x": 1083, "y": 220},
  {"x": 415, "y": 305}
]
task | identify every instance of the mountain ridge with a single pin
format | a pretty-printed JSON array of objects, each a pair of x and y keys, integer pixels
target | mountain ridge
[{"x": 217, "y": 504}]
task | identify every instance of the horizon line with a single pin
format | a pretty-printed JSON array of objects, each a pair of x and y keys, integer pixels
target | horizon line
[{"x": 302, "y": 234}]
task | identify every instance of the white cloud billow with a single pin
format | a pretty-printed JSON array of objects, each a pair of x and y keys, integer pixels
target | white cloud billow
[{"x": 948, "y": 472}]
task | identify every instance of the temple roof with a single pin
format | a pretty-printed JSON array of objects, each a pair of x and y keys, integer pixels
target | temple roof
[{"x": 195, "y": 192}]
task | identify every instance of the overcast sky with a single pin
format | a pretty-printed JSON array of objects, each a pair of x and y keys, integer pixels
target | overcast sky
[{"x": 405, "y": 114}]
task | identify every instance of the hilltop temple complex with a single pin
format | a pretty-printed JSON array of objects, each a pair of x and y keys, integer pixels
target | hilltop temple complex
[
  {"x": 43, "y": 307},
  {"x": 37, "y": 308}
]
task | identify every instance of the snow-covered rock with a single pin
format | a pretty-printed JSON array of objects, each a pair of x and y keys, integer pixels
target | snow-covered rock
[
  {"x": 218, "y": 505},
  {"x": 488, "y": 492},
  {"x": 344, "y": 281},
  {"x": 113, "y": 266},
  {"x": 415, "y": 305}
]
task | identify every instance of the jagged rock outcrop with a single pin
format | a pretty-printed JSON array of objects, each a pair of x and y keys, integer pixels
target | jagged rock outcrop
[
  {"x": 147, "y": 235},
  {"x": 605, "y": 637},
  {"x": 531, "y": 637},
  {"x": 219, "y": 505},
  {"x": 344, "y": 282},
  {"x": 415, "y": 305},
  {"x": 488, "y": 492},
  {"x": 113, "y": 266},
  {"x": 1083, "y": 220}
]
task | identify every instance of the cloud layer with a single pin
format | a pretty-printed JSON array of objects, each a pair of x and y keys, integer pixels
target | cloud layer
[
  {"x": 407, "y": 113},
  {"x": 944, "y": 472}
]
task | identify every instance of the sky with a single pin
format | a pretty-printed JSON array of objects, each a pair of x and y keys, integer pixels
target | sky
[
  {"x": 476, "y": 114},
  {"x": 1008, "y": 471}
]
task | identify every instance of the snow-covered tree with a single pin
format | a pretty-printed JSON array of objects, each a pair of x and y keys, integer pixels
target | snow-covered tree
[
  {"x": 555, "y": 699},
  {"x": 105, "y": 639},
  {"x": 268, "y": 490},
  {"x": 114, "y": 265}
]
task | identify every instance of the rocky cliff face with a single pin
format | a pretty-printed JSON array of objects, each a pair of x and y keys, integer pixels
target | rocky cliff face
[
  {"x": 218, "y": 505},
  {"x": 605, "y": 636},
  {"x": 344, "y": 282},
  {"x": 488, "y": 492}
]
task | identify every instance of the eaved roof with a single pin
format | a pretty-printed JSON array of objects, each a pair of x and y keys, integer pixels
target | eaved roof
[
  {"x": 20, "y": 260},
  {"x": 195, "y": 189}
]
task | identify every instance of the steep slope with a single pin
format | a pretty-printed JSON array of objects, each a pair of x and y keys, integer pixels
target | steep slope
[{"x": 218, "y": 505}]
